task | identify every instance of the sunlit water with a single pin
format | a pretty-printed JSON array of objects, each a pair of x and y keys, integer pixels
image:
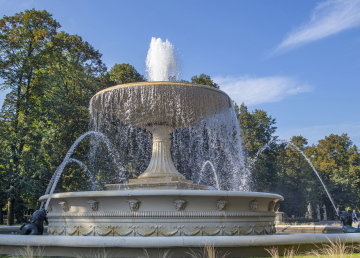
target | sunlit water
[{"x": 161, "y": 61}]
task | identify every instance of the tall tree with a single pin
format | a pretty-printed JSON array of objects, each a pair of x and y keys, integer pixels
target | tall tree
[
  {"x": 25, "y": 44},
  {"x": 52, "y": 76}
]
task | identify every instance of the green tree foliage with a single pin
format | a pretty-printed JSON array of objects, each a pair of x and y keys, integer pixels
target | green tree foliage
[
  {"x": 51, "y": 76},
  {"x": 280, "y": 168},
  {"x": 338, "y": 162},
  {"x": 296, "y": 180},
  {"x": 25, "y": 44},
  {"x": 70, "y": 82},
  {"x": 204, "y": 79},
  {"x": 125, "y": 73},
  {"x": 257, "y": 128}
]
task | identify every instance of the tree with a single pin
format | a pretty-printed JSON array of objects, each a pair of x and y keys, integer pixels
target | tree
[
  {"x": 125, "y": 73},
  {"x": 338, "y": 162},
  {"x": 257, "y": 128},
  {"x": 52, "y": 76},
  {"x": 25, "y": 44},
  {"x": 204, "y": 79},
  {"x": 296, "y": 180}
]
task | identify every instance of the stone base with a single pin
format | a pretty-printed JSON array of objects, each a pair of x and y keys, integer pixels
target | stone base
[
  {"x": 235, "y": 246},
  {"x": 161, "y": 213},
  {"x": 157, "y": 183}
]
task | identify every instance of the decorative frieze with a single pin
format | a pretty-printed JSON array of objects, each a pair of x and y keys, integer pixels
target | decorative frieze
[
  {"x": 159, "y": 230},
  {"x": 163, "y": 214}
]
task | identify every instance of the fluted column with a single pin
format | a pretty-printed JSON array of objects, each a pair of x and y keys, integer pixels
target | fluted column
[{"x": 161, "y": 164}]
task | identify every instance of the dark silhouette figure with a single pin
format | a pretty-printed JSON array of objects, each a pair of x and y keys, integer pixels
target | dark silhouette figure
[
  {"x": 36, "y": 226},
  {"x": 346, "y": 221}
]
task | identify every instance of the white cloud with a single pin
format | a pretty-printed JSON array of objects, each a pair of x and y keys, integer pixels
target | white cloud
[
  {"x": 316, "y": 133},
  {"x": 253, "y": 91},
  {"x": 328, "y": 18}
]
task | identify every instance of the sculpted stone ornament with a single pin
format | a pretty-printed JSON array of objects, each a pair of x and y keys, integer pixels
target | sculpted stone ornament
[
  {"x": 94, "y": 205},
  {"x": 64, "y": 206},
  {"x": 180, "y": 204},
  {"x": 253, "y": 205},
  {"x": 36, "y": 226},
  {"x": 277, "y": 207},
  {"x": 221, "y": 204},
  {"x": 134, "y": 204},
  {"x": 272, "y": 206},
  {"x": 346, "y": 221}
]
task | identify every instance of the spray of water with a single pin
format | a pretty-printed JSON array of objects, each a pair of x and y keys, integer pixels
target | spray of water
[
  {"x": 214, "y": 174},
  {"x": 87, "y": 171},
  {"x": 56, "y": 176},
  {"x": 302, "y": 153},
  {"x": 161, "y": 61}
]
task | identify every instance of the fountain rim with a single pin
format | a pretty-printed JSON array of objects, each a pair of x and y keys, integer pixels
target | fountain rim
[
  {"x": 176, "y": 192},
  {"x": 158, "y": 83}
]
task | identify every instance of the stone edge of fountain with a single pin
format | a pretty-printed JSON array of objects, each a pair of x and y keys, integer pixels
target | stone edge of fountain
[
  {"x": 133, "y": 84},
  {"x": 179, "y": 192},
  {"x": 246, "y": 246}
]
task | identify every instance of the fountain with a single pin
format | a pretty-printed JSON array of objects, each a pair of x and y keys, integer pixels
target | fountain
[
  {"x": 162, "y": 209},
  {"x": 161, "y": 201}
]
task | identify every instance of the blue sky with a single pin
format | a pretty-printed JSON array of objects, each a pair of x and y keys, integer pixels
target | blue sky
[{"x": 297, "y": 60}]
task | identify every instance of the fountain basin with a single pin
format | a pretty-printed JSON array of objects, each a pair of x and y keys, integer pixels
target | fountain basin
[
  {"x": 175, "y": 104},
  {"x": 162, "y": 213}
]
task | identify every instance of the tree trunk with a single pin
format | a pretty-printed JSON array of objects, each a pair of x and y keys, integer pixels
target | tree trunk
[{"x": 10, "y": 213}]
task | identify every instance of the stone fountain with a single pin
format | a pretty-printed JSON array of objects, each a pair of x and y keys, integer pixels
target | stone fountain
[
  {"x": 161, "y": 201},
  {"x": 161, "y": 209}
]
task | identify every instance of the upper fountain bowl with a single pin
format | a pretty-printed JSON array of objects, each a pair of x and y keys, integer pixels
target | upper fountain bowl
[{"x": 175, "y": 104}]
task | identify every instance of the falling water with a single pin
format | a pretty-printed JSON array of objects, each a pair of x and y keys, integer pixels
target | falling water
[
  {"x": 303, "y": 154},
  {"x": 214, "y": 138},
  {"x": 161, "y": 61}
]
